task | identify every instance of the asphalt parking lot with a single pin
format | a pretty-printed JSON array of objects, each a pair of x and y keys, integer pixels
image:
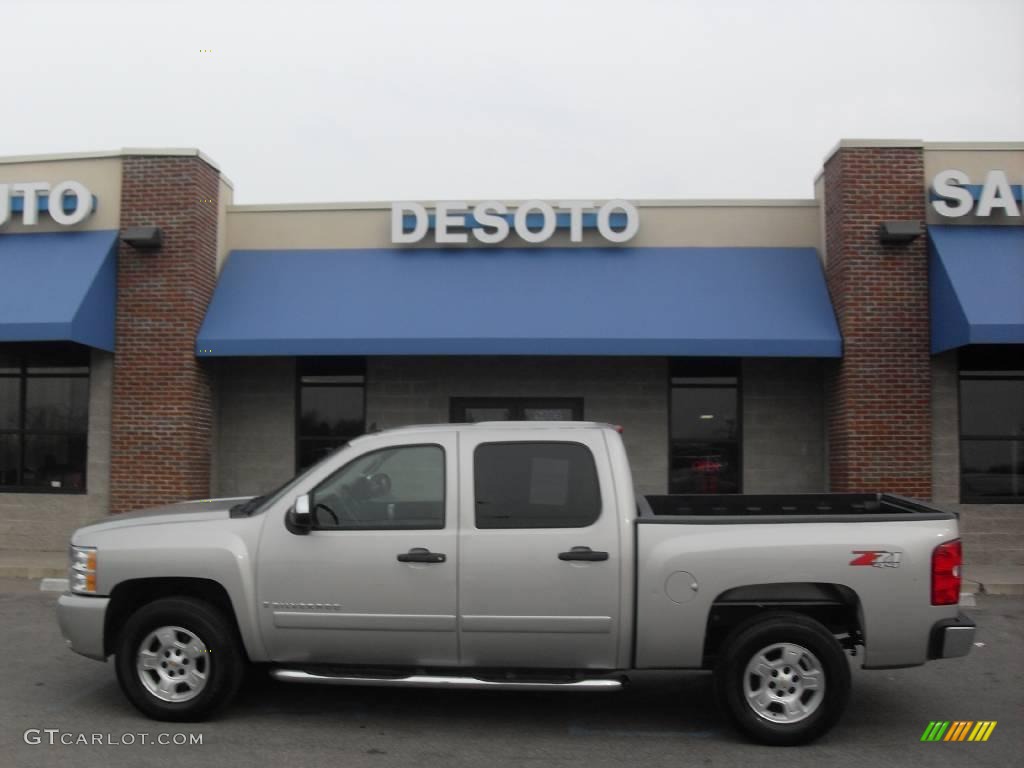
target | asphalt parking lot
[{"x": 664, "y": 720}]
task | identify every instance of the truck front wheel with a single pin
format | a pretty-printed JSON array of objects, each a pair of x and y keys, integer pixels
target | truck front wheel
[
  {"x": 178, "y": 659},
  {"x": 783, "y": 679}
]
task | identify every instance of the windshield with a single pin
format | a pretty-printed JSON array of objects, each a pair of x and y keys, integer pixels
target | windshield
[{"x": 257, "y": 503}]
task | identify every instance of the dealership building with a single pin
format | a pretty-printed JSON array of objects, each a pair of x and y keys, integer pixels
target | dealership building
[{"x": 159, "y": 342}]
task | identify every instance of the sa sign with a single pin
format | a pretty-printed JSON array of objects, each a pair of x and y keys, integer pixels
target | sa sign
[{"x": 954, "y": 195}]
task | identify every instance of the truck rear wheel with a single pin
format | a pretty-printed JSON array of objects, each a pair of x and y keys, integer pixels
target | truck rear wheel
[
  {"x": 179, "y": 659},
  {"x": 783, "y": 679}
]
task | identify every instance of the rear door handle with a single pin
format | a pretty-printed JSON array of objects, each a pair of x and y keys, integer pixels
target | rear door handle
[
  {"x": 421, "y": 555},
  {"x": 583, "y": 553}
]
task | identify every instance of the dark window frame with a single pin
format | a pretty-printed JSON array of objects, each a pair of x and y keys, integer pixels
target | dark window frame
[
  {"x": 597, "y": 482},
  {"x": 982, "y": 364},
  {"x": 346, "y": 465},
  {"x": 516, "y": 404},
  {"x": 708, "y": 368},
  {"x": 23, "y": 355},
  {"x": 328, "y": 366}
]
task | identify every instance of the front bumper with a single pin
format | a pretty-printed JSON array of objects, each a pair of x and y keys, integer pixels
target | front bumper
[
  {"x": 81, "y": 620},
  {"x": 951, "y": 638}
]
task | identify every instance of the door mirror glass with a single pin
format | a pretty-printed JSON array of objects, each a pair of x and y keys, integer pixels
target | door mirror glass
[{"x": 299, "y": 518}]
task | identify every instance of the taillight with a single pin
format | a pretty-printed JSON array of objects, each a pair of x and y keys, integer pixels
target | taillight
[{"x": 946, "y": 561}]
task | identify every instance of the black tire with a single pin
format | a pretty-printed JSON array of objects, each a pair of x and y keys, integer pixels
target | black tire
[
  {"x": 751, "y": 638},
  {"x": 224, "y": 667}
]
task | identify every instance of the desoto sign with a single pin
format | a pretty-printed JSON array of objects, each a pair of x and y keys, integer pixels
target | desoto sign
[
  {"x": 67, "y": 202},
  {"x": 534, "y": 221},
  {"x": 953, "y": 195}
]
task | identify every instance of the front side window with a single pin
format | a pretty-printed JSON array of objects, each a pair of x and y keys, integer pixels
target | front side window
[
  {"x": 393, "y": 488},
  {"x": 535, "y": 485},
  {"x": 991, "y": 425},
  {"x": 44, "y": 418},
  {"x": 331, "y": 407},
  {"x": 705, "y": 442}
]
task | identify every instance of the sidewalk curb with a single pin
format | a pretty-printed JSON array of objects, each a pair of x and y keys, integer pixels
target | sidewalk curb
[
  {"x": 31, "y": 571},
  {"x": 992, "y": 588}
]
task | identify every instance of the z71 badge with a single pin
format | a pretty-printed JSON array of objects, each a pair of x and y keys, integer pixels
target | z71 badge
[{"x": 880, "y": 558}]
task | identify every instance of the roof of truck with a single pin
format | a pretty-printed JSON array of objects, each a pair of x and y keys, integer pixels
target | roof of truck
[{"x": 509, "y": 425}]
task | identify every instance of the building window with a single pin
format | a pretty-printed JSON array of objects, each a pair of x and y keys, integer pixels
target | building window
[
  {"x": 44, "y": 418},
  {"x": 992, "y": 425},
  {"x": 469, "y": 410},
  {"x": 331, "y": 406},
  {"x": 704, "y": 450}
]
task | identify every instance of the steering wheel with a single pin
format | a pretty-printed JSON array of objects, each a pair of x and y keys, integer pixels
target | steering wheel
[
  {"x": 345, "y": 508},
  {"x": 320, "y": 505}
]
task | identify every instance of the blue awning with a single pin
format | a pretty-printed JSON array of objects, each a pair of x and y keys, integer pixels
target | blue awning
[
  {"x": 977, "y": 285},
  {"x": 59, "y": 286},
  {"x": 522, "y": 301}
]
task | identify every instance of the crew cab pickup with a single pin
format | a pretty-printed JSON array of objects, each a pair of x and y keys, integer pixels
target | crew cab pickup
[{"x": 515, "y": 555}]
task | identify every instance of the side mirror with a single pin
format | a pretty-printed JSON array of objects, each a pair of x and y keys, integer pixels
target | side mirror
[{"x": 299, "y": 519}]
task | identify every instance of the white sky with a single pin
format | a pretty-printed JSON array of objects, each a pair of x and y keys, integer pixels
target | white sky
[{"x": 444, "y": 99}]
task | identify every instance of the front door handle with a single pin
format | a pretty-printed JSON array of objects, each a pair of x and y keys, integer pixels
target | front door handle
[
  {"x": 421, "y": 555},
  {"x": 583, "y": 553}
]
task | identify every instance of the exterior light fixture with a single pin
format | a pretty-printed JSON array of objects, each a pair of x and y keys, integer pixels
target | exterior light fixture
[
  {"x": 143, "y": 238},
  {"x": 899, "y": 232}
]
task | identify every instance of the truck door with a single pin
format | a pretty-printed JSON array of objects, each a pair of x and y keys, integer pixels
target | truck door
[
  {"x": 538, "y": 551},
  {"x": 374, "y": 581}
]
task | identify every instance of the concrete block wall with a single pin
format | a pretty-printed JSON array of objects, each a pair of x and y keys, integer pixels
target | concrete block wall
[
  {"x": 45, "y": 521},
  {"x": 945, "y": 429},
  {"x": 991, "y": 533},
  {"x": 632, "y": 392},
  {"x": 783, "y": 426},
  {"x": 254, "y": 424},
  {"x": 783, "y": 419}
]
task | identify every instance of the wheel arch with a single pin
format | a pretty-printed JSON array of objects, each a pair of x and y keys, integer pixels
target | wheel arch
[
  {"x": 128, "y": 596},
  {"x": 835, "y": 606}
]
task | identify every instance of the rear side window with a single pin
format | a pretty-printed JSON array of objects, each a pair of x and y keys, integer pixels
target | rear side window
[{"x": 535, "y": 485}]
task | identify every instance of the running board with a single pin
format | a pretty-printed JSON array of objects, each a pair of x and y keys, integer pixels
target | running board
[{"x": 444, "y": 681}]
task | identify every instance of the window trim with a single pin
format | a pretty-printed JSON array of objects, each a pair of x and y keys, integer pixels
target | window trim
[
  {"x": 986, "y": 374},
  {"x": 516, "y": 403},
  {"x": 528, "y": 441},
  {"x": 716, "y": 368},
  {"x": 360, "y": 457},
  {"x": 22, "y": 376},
  {"x": 340, "y": 367}
]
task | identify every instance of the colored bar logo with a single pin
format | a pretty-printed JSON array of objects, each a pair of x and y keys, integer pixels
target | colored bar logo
[{"x": 958, "y": 730}]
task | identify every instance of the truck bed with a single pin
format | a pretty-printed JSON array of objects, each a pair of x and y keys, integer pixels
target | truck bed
[
  {"x": 739, "y": 508},
  {"x": 697, "y": 551}
]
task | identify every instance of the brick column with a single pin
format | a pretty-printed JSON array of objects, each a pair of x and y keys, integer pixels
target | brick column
[
  {"x": 878, "y": 395},
  {"x": 160, "y": 432}
]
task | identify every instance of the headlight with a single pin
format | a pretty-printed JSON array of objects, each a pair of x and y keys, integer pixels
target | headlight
[{"x": 82, "y": 573}]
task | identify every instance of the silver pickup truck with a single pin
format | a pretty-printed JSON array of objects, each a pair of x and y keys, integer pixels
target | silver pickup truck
[{"x": 515, "y": 555}]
